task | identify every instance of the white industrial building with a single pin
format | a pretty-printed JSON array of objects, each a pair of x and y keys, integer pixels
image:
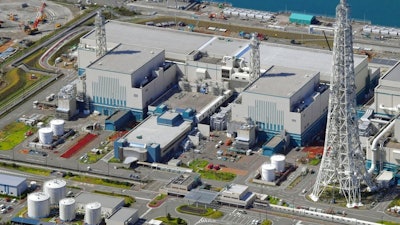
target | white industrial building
[
  {"x": 381, "y": 120},
  {"x": 124, "y": 216},
  {"x": 12, "y": 185},
  {"x": 109, "y": 205},
  {"x": 236, "y": 194},
  {"x": 214, "y": 65},
  {"x": 153, "y": 139},
  {"x": 127, "y": 77},
  {"x": 285, "y": 100}
]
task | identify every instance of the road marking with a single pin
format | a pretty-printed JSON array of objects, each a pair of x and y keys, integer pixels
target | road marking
[
  {"x": 145, "y": 213},
  {"x": 146, "y": 199}
]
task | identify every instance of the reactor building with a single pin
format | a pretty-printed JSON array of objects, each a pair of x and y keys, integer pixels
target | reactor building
[{"x": 144, "y": 63}]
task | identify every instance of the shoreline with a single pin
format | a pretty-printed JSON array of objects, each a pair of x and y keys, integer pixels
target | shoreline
[{"x": 328, "y": 17}]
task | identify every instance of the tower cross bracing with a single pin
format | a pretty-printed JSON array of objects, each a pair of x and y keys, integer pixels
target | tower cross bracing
[{"x": 342, "y": 164}]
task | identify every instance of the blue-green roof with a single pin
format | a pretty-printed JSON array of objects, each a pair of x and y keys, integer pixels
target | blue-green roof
[{"x": 301, "y": 18}]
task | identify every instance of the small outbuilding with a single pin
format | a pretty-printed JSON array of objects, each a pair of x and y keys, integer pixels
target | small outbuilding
[{"x": 300, "y": 18}]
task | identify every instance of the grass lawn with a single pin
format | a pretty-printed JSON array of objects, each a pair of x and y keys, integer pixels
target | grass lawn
[
  {"x": 31, "y": 170},
  {"x": 13, "y": 134},
  {"x": 128, "y": 200},
  {"x": 158, "y": 200},
  {"x": 198, "y": 166},
  {"x": 314, "y": 161},
  {"x": 198, "y": 163},
  {"x": 217, "y": 175},
  {"x": 388, "y": 222},
  {"x": 266, "y": 222},
  {"x": 99, "y": 181},
  {"x": 395, "y": 202},
  {"x": 172, "y": 220},
  {"x": 200, "y": 211}
]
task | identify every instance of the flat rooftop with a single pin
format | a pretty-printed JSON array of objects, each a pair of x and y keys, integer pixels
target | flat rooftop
[
  {"x": 11, "y": 180},
  {"x": 105, "y": 200},
  {"x": 125, "y": 58},
  {"x": 178, "y": 44},
  {"x": 236, "y": 188},
  {"x": 281, "y": 81},
  {"x": 173, "y": 41},
  {"x": 194, "y": 100},
  {"x": 393, "y": 74},
  {"x": 123, "y": 214},
  {"x": 151, "y": 132}
]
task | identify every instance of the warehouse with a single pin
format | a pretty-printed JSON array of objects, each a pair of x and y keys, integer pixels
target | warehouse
[
  {"x": 12, "y": 185},
  {"x": 301, "y": 18}
]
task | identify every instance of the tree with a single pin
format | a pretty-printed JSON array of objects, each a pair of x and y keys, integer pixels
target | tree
[
  {"x": 169, "y": 216},
  {"x": 178, "y": 220}
]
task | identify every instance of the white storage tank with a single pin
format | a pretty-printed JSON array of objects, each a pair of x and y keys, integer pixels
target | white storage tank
[
  {"x": 279, "y": 162},
  {"x": 57, "y": 125},
  {"x": 67, "y": 209},
  {"x": 38, "y": 205},
  {"x": 45, "y": 135},
  {"x": 56, "y": 189},
  {"x": 93, "y": 213},
  {"x": 268, "y": 172}
]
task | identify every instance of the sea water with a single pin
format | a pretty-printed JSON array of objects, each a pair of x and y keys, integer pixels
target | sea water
[{"x": 377, "y": 12}]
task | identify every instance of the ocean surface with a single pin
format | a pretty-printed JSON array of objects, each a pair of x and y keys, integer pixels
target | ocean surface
[{"x": 378, "y": 12}]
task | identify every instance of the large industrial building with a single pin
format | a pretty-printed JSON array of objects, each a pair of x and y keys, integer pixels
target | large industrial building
[
  {"x": 145, "y": 61},
  {"x": 153, "y": 139},
  {"x": 381, "y": 120},
  {"x": 12, "y": 185},
  {"x": 284, "y": 99}
]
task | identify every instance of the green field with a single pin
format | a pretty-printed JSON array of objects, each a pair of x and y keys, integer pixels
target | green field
[{"x": 13, "y": 134}]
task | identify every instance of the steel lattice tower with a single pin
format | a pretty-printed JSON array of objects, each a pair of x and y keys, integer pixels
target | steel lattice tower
[
  {"x": 342, "y": 163},
  {"x": 254, "y": 57},
  {"x": 100, "y": 29}
]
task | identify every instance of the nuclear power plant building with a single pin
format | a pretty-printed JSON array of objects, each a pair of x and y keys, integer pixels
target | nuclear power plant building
[{"x": 143, "y": 62}]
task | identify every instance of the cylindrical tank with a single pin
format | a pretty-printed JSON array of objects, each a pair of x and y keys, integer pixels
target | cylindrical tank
[
  {"x": 38, "y": 205},
  {"x": 279, "y": 162},
  {"x": 57, "y": 125},
  {"x": 268, "y": 172},
  {"x": 56, "y": 189},
  {"x": 67, "y": 209},
  {"x": 45, "y": 135},
  {"x": 93, "y": 213}
]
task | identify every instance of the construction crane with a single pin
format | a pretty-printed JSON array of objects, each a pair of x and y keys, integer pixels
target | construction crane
[
  {"x": 33, "y": 29},
  {"x": 41, "y": 14}
]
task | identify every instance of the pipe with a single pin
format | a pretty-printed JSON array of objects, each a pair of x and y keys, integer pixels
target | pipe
[
  {"x": 393, "y": 109},
  {"x": 375, "y": 143}
]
